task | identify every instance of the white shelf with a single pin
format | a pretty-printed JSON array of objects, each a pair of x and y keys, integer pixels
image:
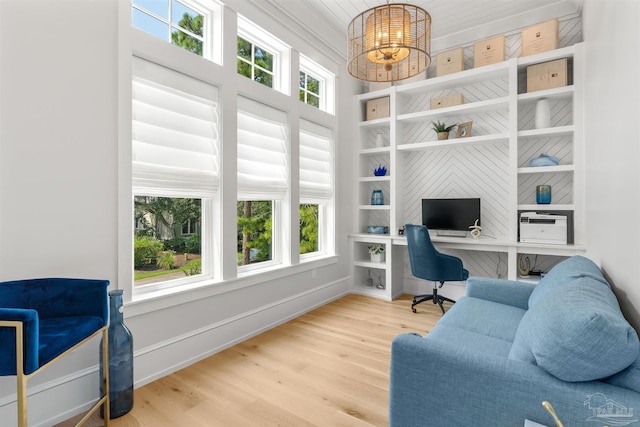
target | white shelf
[
  {"x": 371, "y": 264},
  {"x": 546, "y": 169},
  {"x": 377, "y": 150},
  {"x": 377, "y": 123},
  {"x": 462, "y": 78},
  {"x": 374, "y": 207},
  {"x": 551, "y": 207},
  {"x": 565, "y": 52},
  {"x": 547, "y": 132},
  {"x": 374, "y": 178},
  {"x": 564, "y": 92},
  {"x": 456, "y": 142},
  {"x": 472, "y": 107}
]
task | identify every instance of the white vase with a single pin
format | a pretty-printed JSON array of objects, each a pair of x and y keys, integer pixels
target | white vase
[
  {"x": 543, "y": 114},
  {"x": 379, "y": 141}
]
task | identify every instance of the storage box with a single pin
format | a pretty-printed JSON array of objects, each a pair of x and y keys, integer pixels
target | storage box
[
  {"x": 547, "y": 75},
  {"x": 450, "y": 62},
  {"x": 490, "y": 51},
  {"x": 447, "y": 101},
  {"x": 540, "y": 37},
  {"x": 377, "y": 108}
]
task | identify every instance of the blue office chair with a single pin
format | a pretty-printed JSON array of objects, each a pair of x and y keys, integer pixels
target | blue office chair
[
  {"x": 429, "y": 264},
  {"x": 43, "y": 320}
]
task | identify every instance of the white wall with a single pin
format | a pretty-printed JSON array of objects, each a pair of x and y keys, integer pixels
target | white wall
[
  {"x": 611, "y": 32},
  {"x": 59, "y": 199}
]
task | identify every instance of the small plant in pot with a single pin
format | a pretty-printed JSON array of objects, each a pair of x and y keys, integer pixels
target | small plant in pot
[
  {"x": 377, "y": 252},
  {"x": 442, "y": 129}
]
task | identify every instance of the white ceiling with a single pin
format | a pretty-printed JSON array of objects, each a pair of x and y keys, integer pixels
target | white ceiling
[{"x": 454, "y": 22}]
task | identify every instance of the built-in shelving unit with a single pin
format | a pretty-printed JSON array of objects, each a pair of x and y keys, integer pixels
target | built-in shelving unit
[{"x": 502, "y": 113}]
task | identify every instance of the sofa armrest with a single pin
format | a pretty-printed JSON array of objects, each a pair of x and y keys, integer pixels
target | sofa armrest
[
  {"x": 509, "y": 292},
  {"x": 30, "y": 332},
  {"x": 433, "y": 378}
]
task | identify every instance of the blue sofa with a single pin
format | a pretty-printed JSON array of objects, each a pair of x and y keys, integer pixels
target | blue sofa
[{"x": 506, "y": 346}]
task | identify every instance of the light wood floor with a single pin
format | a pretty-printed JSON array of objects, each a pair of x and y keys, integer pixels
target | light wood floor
[{"x": 329, "y": 367}]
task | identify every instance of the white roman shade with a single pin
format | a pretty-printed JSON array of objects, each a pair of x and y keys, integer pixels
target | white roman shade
[
  {"x": 262, "y": 151},
  {"x": 316, "y": 162},
  {"x": 175, "y": 133}
]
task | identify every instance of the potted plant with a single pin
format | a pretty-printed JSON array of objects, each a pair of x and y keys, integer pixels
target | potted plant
[
  {"x": 442, "y": 129},
  {"x": 377, "y": 252}
]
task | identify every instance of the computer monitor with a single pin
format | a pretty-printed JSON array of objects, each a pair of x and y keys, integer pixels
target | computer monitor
[{"x": 451, "y": 217}]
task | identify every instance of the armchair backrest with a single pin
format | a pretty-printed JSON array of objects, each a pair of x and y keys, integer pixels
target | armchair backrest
[
  {"x": 58, "y": 297},
  {"x": 426, "y": 262}
]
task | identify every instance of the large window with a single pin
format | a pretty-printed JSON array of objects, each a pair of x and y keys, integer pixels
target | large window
[
  {"x": 174, "y": 172},
  {"x": 262, "y": 180}
]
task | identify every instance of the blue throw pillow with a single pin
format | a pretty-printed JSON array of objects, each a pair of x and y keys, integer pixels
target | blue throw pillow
[
  {"x": 567, "y": 270},
  {"x": 577, "y": 333}
]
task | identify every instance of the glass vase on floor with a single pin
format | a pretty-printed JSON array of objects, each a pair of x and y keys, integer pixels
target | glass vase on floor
[{"x": 120, "y": 360}]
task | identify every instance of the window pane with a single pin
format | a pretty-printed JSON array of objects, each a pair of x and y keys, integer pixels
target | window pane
[
  {"x": 313, "y": 85},
  {"x": 150, "y": 25},
  {"x": 158, "y": 7},
  {"x": 244, "y": 49},
  {"x": 186, "y": 41},
  {"x": 303, "y": 80},
  {"x": 186, "y": 18},
  {"x": 263, "y": 77},
  {"x": 301, "y": 97},
  {"x": 244, "y": 68},
  {"x": 313, "y": 100},
  {"x": 254, "y": 231},
  {"x": 264, "y": 59},
  {"x": 161, "y": 250},
  {"x": 308, "y": 228}
]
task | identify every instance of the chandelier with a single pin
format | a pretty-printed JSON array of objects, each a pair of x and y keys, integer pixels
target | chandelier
[{"x": 390, "y": 42}]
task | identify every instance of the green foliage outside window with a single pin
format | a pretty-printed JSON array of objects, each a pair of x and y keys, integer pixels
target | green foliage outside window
[
  {"x": 255, "y": 227},
  {"x": 309, "y": 90},
  {"x": 308, "y": 228},
  {"x": 146, "y": 250},
  {"x": 186, "y": 41},
  {"x": 254, "y": 62}
]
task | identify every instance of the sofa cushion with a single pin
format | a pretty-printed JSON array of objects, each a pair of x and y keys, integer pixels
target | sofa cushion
[
  {"x": 469, "y": 342},
  {"x": 484, "y": 317},
  {"x": 627, "y": 378},
  {"x": 567, "y": 270},
  {"x": 576, "y": 332}
]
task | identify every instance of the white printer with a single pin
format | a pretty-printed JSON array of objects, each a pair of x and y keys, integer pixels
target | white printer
[{"x": 543, "y": 228}]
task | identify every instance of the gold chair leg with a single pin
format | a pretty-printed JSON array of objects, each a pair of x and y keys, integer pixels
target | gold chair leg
[{"x": 21, "y": 378}]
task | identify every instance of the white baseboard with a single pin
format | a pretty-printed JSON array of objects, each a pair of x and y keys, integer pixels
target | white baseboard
[{"x": 62, "y": 398}]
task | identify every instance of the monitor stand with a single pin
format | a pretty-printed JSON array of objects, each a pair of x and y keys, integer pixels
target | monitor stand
[{"x": 451, "y": 233}]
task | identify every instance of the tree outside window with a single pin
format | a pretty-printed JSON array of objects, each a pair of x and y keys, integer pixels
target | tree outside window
[
  {"x": 309, "y": 89},
  {"x": 255, "y": 227},
  {"x": 255, "y": 62},
  {"x": 309, "y": 228}
]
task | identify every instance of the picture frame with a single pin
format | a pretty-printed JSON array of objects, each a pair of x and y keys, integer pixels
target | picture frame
[{"x": 464, "y": 130}]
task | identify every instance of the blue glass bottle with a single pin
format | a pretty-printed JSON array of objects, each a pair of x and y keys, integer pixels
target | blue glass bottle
[
  {"x": 120, "y": 359},
  {"x": 377, "y": 198}
]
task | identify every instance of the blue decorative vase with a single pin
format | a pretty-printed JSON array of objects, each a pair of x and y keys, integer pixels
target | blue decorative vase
[
  {"x": 377, "y": 198},
  {"x": 543, "y": 194},
  {"x": 120, "y": 360}
]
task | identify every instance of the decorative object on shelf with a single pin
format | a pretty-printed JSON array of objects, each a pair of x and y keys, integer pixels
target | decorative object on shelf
[
  {"x": 450, "y": 62},
  {"x": 543, "y": 194},
  {"x": 475, "y": 229},
  {"x": 442, "y": 129},
  {"x": 464, "y": 130},
  {"x": 487, "y": 52},
  {"x": 377, "y": 229},
  {"x": 401, "y": 231},
  {"x": 369, "y": 281},
  {"x": 389, "y": 42},
  {"x": 540, "y": 37},
  {"x": 377, "y": 198},
  {"x": 446, "y": 101},
  {"x": 544, "y": 160},
  {"x": 377, "y": 252},
  {"x": 380, "y": 285},
  {"x": 380, "y": 171},
  {"x": 379, "y": 141},
  {"x": 547, "y": 75},
  {"x": 543, "y": 114},
  {"x": 120, "y": 359},
  {"x": 378, "y": 108}
]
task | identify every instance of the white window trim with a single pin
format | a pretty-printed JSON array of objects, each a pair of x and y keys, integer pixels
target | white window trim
[
  {"x": 327, "y": 86},
  {"x": 281, "y": 52}
]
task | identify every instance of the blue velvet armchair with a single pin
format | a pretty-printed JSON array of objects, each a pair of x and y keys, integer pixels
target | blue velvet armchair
[{"x": 42, "y": 320}]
